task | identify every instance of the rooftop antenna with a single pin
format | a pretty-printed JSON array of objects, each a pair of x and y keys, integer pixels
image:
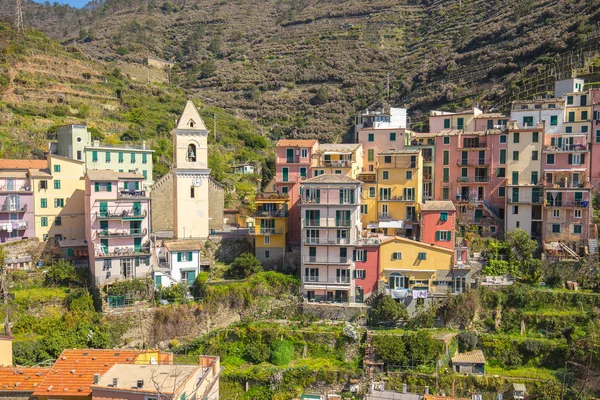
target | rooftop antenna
[{"x": 19, "y": 16}]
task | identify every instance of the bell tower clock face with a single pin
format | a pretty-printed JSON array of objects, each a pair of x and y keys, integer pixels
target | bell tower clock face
[{"x": 197, "y": 182}]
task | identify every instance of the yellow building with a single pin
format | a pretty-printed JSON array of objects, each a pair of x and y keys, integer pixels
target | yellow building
[
  {"x": 338, "y": 159},
  {"x": 408, "y": 264},
  {"x": 58, "y": 195},
  {"x": 269, "y": 224},
  {"x": 392, "y": 193}
]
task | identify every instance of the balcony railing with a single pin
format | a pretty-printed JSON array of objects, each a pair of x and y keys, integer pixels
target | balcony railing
[
  {"x": 122, "y": 232},
  {"x": 266, "y": 231},
  {"x": 567, "y": 148},
  {"x": 471, "y": 146},
  {"x": 427, "y": 177},
  {"x": 566, "y": 185},
  {"x": 131, "y": 194},
  {"x": 385, "y": 217},
  {"x": 124, "y": 252},
  {"x": 528, "y": 200},
  {"x": 13, "y": 208},
  {"x": 474, "y": 162},
  {"x": 316, "y": 240},
  {"x": 344, "y": 280},
  {"x": 336, "y": 163},
  {"x": 13, "y": 225},
  {"x": 5, "y": 188},
  {"x": 367, "y": 177},
  {"x": 270, "y": 214},
  {"x": 327, "y": 260},
  {"x": 473, "y": 179},
  {"x": 577, "y": 204},
  {"x": 312, "y": 222},
  {"x": 396, "y": 198},
  {"x": 125, "y": 214},
  {"x": 311, "y": 200}
]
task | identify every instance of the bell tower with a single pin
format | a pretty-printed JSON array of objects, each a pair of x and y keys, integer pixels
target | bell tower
[{"x": 191, "y": 174}]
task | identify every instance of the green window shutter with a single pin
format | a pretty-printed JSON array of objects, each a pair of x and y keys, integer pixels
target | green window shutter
[
  {"x": 446, "y": 157},
  {"x": 578, "y": 196},
  {"x": 44, "y": 203},
  {"x": 94, "y": 155},
  {"x": 144, "y": 158},
  {"x": 460, "y": 123},
  {"x": 96, "y": 187},
  {"x": 437, "y": 235},
  {"x": 107, "y": 157},
  {"x": 137, "y": 261},
  {"x": 69, "y": 252},
  {"x": 189, "y": 256},
  {"x": 178, "y": 257},
  {"x": 371, "y": 155},
  {"x": 133, "y": 158},
  {"x": 583, "y": 158},
  {"x": 44, "y": 221},
  {"x": 392, "y": 136},
  {"x": 535, "y": 136},
  {"x": 570, "y": 158},
  {"x": 515, "y": 178},
  {"x": 109, "y": 187},
  {"x": 121, "y": 157},
  {"x": 447, "y": 123},
  {"x": 502, "y": 156},
  {"x": 137, "y": 185},
  {"x": 554, "y": 120},
  {"x": 446, "y": 174},
  {"x": 371, "y": 137}
]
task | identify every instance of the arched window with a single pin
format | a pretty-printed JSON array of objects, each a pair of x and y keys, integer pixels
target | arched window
[
  {"x": 191, "y": 123},
  {"x": 191, "y": 152},
  {"x": 396, "y": 281}
]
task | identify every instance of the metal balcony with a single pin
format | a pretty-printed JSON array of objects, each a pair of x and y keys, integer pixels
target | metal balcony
[
  {"x": 326, "y": 260},
  {"x": 124, "y": 214},
  {"x": 124, "y": 233}
]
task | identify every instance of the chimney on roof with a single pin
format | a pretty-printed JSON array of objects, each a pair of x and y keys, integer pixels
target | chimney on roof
[
  {"x": 115, "y": 382},
  {"x": 144, "y": 145},
  {"x": 140, "y": 383},
  {"x": 96, "y": 143},
  {"x": 96, "y": 379}
]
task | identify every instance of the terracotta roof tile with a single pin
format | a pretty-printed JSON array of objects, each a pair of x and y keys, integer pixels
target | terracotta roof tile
[
  {"x": 22, "y": 164},
  {"x": 296, "y": 143},
  {"x": 21, "y": 379},
  {"x": 73, "y": 372},
  {"x": 438, "y": 205},
  {"x": 182, "y": 245},
  {"x": 470, "y": 357}
]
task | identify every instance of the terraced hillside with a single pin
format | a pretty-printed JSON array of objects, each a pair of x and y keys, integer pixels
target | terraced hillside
[{"x": 302, "y": 68}]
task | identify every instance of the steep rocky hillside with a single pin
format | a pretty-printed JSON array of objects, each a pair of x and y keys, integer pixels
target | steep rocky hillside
[{"x": 302, "y": 68}]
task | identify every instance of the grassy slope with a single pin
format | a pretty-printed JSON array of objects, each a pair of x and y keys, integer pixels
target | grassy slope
[
  {"x": 44, "y": 85},
  {"x": 274, "y": 55}
]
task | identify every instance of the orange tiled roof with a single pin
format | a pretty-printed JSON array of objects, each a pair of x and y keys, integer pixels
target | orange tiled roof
[
  {"x": 73, "y": 373},
  {"x": 296, "y": 143},
  {"x": 14, "y": 379},
  {"x": 22, "y": 164}
]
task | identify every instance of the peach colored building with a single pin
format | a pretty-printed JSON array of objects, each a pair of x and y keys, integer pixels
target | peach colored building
[
  {"x": 595, "y": 139},
  {"x": 293, "y": 165},
  {"x": 330, "y": 230},
  {"x": 160, "y": 381},
  {"x": 463, "y": 121},
  {"x": 470, "y": 170},
  {"x": 117, "y": 219}
]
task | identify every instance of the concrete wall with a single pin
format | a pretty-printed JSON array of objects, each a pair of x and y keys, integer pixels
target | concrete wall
[
  {"x": 216, "y": 203},
  {"x": 162, "y": 204}
]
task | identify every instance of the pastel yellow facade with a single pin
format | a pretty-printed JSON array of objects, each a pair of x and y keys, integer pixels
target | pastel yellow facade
[
  {"x": 58, "y": 194},
  {"x": 408, "y": 264},
  {"x": 6, "y": 351},
  {"x": 269, "y": 225},
  {"x": 338, "y": 159}
]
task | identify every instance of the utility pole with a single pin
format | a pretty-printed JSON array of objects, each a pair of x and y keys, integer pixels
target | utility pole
[
  {"x": 215, "y": 126},
  {"x": 19, "y": 17},
  {"x": 388, "y": 87}
]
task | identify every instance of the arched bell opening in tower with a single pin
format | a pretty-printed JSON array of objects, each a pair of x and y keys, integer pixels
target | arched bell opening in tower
[{"x": 191, "y": 152}]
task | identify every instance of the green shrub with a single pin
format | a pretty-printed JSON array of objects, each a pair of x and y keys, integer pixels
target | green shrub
[
  {"x": 386, "y": 309},
  {"x": 467, "y": 341},
  {"x": 283, "y": 352},
  {"x": 259, "y": 352},
  {"x": 61, "y": 272},
  {"x": 245, "y": 265}
]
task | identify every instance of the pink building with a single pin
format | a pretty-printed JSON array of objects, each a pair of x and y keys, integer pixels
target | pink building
[
  {"x": 438, "y": 223},
  {"x": 595, "y": 139},
  {"x": 293, "y": 165},
  {"x": 117, "y": 217},
  {"x": 470, "y": 170},
  {"x": 490, "y": 121},
  {"x": 566, "y": 165},
  {"x": 330, "y": 230},
  {"x": 16, "y": 199},
  {"x": 366, "y": 267}
]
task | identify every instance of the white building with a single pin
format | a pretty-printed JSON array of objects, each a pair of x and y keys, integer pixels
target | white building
[{"x": 179, "y": 262}]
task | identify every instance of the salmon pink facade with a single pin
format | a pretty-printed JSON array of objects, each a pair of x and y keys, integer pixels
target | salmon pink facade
[{"x": 438, "y": 223}]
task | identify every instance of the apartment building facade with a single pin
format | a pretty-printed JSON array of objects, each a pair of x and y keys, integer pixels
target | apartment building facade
[
  {"x": 16, "y": 199},
  {"x": 293, "y": 165},
  {"x": 330, "y": 206},
  {"x": 117, "y": 222},
  {"x": 269, "y": 225}
]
